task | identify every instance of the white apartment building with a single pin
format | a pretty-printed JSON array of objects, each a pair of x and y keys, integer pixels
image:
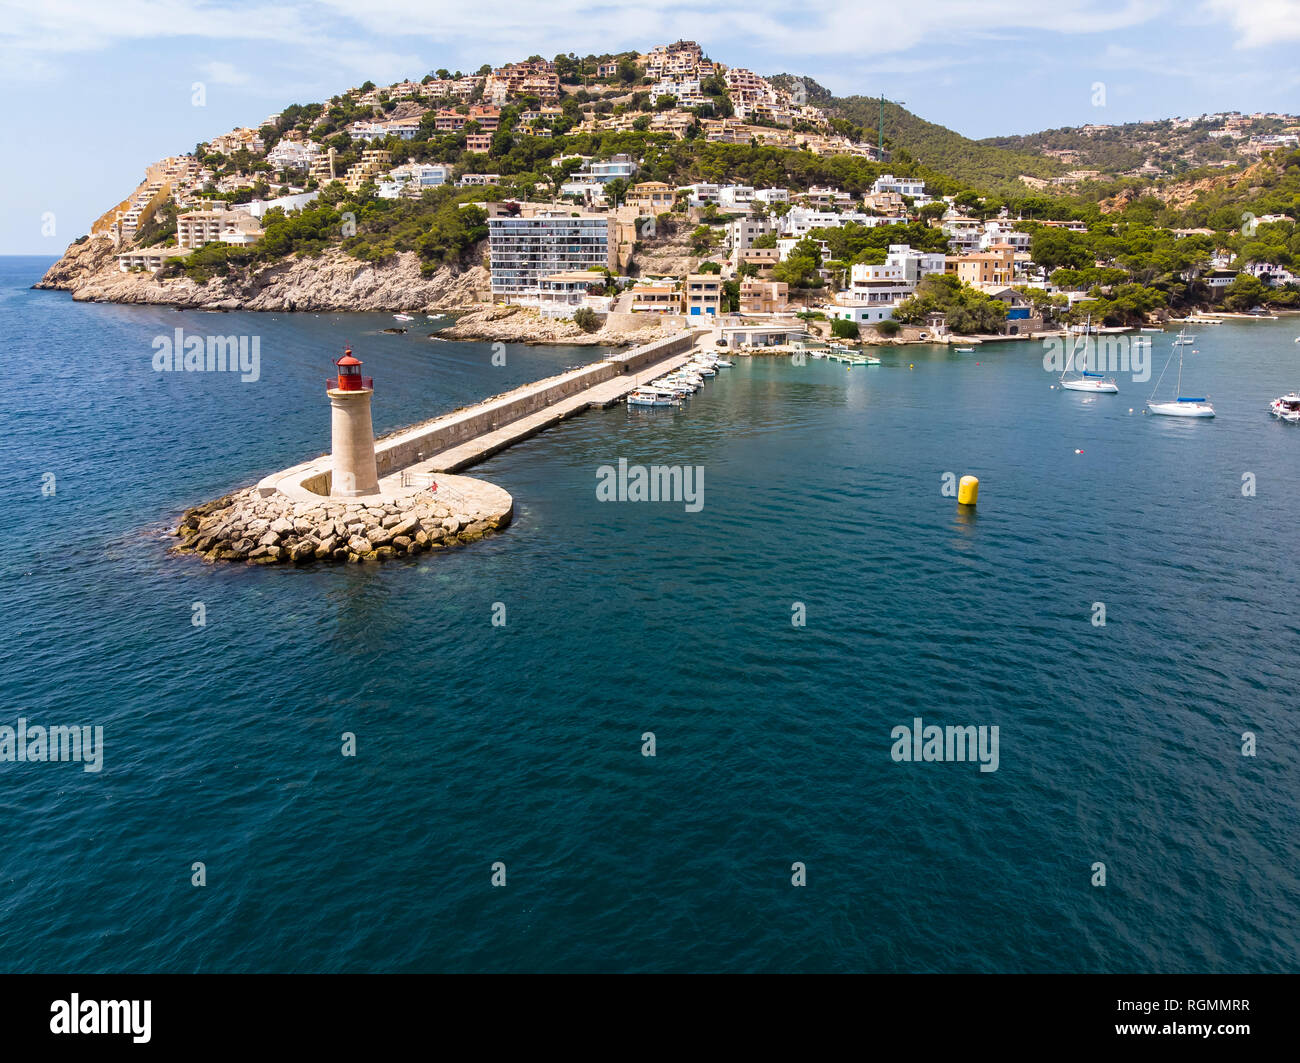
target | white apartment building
[
  {"x": 686, "y": 91},
  {"x": 742, "y": 233},
  {"x": 293, "y": 155},
  {"x": 524, "y": 250},
  {"x": 963, "y": 233},
  {"x": 201, "y": 227},
  {"x": 606, "y": 170},
  {"x": 897, "y": 278},
  {"x": 412, "y": 178},
  {"x": 402, "y": 128},
  {"x": 149, "y": 258},
  {"x": 589, "y": 180}
]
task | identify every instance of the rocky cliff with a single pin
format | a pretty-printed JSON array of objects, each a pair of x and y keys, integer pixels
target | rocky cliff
[{"x": 332, "y": 281}]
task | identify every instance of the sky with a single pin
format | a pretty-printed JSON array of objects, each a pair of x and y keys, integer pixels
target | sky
[{"x": 96, "y": 89}]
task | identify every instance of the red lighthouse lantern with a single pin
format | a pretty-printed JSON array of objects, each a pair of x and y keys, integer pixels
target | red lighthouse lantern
[{"x": 350, "y": 378}]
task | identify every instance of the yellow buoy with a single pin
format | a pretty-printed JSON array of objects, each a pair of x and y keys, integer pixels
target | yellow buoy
[{"x": 968, "y": 491}]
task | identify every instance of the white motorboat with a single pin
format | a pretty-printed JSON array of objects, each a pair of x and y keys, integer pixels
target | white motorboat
[
  {"x": 701, "y": 369},
  {"x": 1086, "y": 380},
  {"x": 1181, "y": 405},
  {"x": 964, "y": 350},
  {"x": 651, "y": 396},
  {"x": 1286, "y": 408},
  {"x": 403, "y": 317},
  {"x": 722, "y": 363},
  {"x": 1151, "y": 330},
  {"x": 692, "y": 380},
  {"x": 677, "y": 387}
]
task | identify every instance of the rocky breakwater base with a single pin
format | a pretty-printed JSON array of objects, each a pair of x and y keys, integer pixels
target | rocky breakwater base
[{"x": 260, "y": 527}]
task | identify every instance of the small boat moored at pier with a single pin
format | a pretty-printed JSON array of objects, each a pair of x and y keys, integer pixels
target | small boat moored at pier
[{"x": 652, "y": 396}]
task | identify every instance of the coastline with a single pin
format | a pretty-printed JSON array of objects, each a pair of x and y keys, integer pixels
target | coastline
[{"x": 330, "y": 282}]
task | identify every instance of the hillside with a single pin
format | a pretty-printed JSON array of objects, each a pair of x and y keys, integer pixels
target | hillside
[
  {"x": 979, "y": 164},
  {"x": 1170, "y": 147}
]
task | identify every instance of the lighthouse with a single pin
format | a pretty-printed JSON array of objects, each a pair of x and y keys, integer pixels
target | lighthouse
[{"x": 352, "y": 435}]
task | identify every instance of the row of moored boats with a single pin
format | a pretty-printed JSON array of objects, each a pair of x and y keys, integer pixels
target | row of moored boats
[
  {"x": 1285, "y": 408},
  {"x": 674, "y": 387}
]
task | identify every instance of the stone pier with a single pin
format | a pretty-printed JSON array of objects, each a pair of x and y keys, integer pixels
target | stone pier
[{"x": 420, "y": 504}]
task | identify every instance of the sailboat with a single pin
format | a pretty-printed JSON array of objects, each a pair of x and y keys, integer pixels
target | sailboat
[
  {"x": 1181, "y": 405},
  {"x": 1097, "y": 383},
  {"x": 1183, "y": 340}
]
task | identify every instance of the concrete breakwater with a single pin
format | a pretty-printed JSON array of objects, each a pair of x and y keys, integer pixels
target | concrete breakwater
[
  {"x": 247, "y": 526},
  {"x": 291, "y": 516}
]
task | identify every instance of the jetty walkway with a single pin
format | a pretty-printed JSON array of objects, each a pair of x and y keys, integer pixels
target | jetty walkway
[{"x": 457, "y": 440}]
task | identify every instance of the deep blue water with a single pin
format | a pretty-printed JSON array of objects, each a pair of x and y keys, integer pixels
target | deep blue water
[{"x": 1119, "y": 744}]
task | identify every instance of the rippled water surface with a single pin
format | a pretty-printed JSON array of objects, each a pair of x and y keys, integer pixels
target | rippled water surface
[{"x": 822, "y": 485}]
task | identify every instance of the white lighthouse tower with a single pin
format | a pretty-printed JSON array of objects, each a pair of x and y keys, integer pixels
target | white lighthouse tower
[{"x": 352, "y": 434}]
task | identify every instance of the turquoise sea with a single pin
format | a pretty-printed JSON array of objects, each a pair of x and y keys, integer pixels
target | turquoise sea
[{"x": 1119, "y": 744}]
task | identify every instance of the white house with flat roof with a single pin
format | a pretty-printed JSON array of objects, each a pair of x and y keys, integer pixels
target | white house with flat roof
[
  {"x": 798, "y": 221},
  {"x": 733, "y": 196},
  {"x": 771, "y": 195},
  {"x": 258, "y": 207},
  {"x": 785, "y": 246},
  {"x": 1000, "y": 232},
  {"x": 700, "y": 194},
  {"x": 912, "y": 187}
]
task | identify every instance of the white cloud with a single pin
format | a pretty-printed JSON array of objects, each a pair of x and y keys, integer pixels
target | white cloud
[
  {"x": 1258, "y": 22},
  {"x": 220, "y": 73},
  {"x": 876, "y": 37}
]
